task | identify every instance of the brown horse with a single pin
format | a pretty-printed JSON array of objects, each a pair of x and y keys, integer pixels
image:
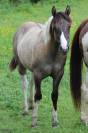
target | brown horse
[
  {"x": 79, "y": 54},
  {"x": 42, "y": 49}
]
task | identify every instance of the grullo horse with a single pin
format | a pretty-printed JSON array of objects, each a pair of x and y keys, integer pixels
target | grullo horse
[{"x": 42, "y": 49}]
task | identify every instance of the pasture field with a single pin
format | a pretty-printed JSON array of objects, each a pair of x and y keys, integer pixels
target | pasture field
[{"x": 11, "y": 98}]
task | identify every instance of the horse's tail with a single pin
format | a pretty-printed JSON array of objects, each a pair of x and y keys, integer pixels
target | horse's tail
[
  {"x": 13, "y": 64},
  {"x": 76, "y": 69}
]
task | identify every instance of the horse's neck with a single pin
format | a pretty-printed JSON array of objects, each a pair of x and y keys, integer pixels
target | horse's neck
[
  {"x": 46, "y": 30},
  {"x": 48, "y": 40}
]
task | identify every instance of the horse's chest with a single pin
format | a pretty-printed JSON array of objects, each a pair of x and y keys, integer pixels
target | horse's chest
[
  {"x": 48, "y": 69},
  {"x": 53, "y": 67},
  {"x": 57, "y": 67}
]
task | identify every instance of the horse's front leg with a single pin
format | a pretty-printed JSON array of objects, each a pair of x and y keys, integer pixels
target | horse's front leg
[
  {"x": 37, "y": 98},
  {"x": 54, "y": 96}
]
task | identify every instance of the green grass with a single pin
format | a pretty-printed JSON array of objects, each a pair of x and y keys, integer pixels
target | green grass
[{"x": 11, "y": 99}]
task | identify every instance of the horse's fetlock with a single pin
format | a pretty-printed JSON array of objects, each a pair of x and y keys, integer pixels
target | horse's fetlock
[{"x": 38, "y": 97}]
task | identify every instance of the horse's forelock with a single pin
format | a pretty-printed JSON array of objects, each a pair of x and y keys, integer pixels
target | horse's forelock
[
  {"x": 62, "y": 15},
  {"x": 65, "y": 16}
]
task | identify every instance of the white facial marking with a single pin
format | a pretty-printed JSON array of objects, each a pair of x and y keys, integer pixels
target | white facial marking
[{"x": 63, "y": 41}]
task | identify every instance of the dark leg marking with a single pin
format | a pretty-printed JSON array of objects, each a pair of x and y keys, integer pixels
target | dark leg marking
[{"x": 54, "y": 96}]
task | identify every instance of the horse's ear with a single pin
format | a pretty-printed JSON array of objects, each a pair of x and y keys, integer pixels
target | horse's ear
[
  {"x": 53, "y": 11},
  {"x": 68, "y": 10}
]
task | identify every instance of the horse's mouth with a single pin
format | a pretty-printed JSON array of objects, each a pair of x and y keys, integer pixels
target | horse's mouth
[{"x": 63, "y": 51}]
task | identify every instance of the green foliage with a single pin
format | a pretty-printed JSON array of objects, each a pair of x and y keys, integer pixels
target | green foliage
[
  {"x": 18, "y": 1},
  {"x": 34, "y": 1},
  {"x": 11, "y": 98}
]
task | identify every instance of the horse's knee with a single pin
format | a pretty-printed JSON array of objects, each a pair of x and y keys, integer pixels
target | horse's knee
[{"x": 38, "y": 96}]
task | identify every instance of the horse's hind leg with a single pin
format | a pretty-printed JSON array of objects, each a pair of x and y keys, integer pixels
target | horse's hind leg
[
  {"x": 54, "y": 96},
  {"x": 22, "y": 72},
  {"x": 31, "y": 94}
]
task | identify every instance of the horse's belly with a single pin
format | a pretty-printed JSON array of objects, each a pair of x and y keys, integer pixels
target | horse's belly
[{"x": 85, "y": 47}]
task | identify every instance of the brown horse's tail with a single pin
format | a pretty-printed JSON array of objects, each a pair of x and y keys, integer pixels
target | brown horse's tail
[
  {"x": 76, "y": 69},
  {"x": 13, "y": 64}
]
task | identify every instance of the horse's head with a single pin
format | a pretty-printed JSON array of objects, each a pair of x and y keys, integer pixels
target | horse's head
[{"x": 60, "y": 28}]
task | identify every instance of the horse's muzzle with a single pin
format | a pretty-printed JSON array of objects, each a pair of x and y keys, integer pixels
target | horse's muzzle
[{"x": 64, "y": 51}]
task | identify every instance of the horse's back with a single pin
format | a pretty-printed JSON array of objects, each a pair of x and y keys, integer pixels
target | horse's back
[
  {"x": 21, "y": 31},
  {"x": 30, "y": 46}
]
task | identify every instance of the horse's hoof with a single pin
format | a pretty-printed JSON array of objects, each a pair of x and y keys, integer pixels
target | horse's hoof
[
  {"x": 25, "y": 113},
  {"x": 31, "y": 105},
  {"x": 31, "y": 108},
  {"x": 34, "y": 125},
  {"x": 55, "y": 124},
  {"x": 85, "y": 121}
]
